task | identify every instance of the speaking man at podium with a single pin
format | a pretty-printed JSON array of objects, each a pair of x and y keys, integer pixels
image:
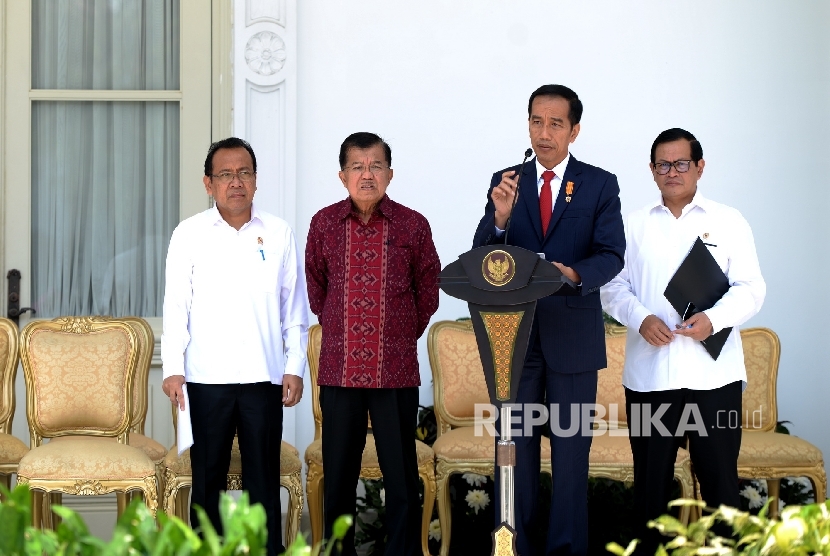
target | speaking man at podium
[
  {"x": 570, "y": 212},
  {"x": 666, "y": 366}
]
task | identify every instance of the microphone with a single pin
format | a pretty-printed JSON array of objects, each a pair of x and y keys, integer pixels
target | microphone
[{"x": 528, "y": 152}]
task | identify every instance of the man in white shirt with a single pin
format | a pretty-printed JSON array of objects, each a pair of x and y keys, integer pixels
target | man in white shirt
[
  {"x": 674, "y": 388},
  {"x": 235, "y": 330}
]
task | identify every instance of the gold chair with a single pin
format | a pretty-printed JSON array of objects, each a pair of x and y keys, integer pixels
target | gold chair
[
  {"x": 154, "y": 450},
  {"x": 458, "y": 383},
  {"x": 766, "y": 454},
  {"x": 369, "y": 466},
  {"x": 79, "y": 377},
  {"x": 11, "y": 448},
  {"x": 178, "y": 479}
]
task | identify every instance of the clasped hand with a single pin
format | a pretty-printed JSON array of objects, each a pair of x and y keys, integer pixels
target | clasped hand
[{"x": 657, "y": 333}]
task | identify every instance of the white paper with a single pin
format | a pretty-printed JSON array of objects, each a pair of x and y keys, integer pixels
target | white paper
[{"x": 184, "y": 429}]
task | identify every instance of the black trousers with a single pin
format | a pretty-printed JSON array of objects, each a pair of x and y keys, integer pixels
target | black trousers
[
  {"x": 711, "y": 422},
  {"x": 393, "y": 412},
  {"x": 570, "y": 441},
  {"x": 254, "y": 413}
]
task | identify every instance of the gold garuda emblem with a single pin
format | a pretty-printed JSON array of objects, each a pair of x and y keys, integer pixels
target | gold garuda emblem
[{"x": 498, "y": 267}]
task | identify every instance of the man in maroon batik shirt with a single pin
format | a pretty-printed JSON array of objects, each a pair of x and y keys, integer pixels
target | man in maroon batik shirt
[{"x": 372, "y": 275}]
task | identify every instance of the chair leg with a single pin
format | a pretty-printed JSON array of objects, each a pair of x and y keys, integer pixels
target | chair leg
[
  {"x": 442, "y": 496},
  {"x": 122, "y": 500},
  {"x": 427, "y": 474},
  {"x": 683, "y": 476},
  {"x": 293, "y": 483},
  {"x": 37, "y": 508},
  {"x": 819, "y": 480},
  {"x": 314, "y": 496},
  {"x": 6, "y": 481},
  {"x": 773, "y": 491}
]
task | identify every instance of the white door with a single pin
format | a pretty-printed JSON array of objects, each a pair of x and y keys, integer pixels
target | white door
[{"x": 105, "y": 116}]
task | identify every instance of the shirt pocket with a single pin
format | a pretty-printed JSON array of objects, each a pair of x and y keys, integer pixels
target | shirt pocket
[{"x": 266, "y": 267}]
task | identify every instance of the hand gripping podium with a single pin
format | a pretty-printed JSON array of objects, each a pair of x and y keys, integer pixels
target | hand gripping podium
[{"x": 501, "y": 284}]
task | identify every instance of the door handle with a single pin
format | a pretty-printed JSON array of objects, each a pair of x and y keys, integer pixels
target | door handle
[{"x": 14, "y": 310}]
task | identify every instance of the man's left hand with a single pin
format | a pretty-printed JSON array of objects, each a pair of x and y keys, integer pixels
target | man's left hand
[
  {"x": 697, "y": 327},
  {"x": 568, "y": 272},
  {"x": 292, "y": 390}
]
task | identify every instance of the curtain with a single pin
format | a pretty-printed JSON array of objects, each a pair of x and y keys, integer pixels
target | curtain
[{"x": 105, "y": 191}]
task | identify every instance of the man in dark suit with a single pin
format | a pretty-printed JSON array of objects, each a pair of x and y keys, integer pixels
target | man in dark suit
[{"x": 570, "y": 211}]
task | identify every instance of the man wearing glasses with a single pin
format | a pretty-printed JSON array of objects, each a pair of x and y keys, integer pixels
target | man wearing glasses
[
  {"x": 235, "y": 330},
  {"x": 668, "y": 374},
  {"x": 372, "y": 275}
]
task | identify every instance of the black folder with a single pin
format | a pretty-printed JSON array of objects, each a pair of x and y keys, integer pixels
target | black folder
[{"x": 697, "y": 285}]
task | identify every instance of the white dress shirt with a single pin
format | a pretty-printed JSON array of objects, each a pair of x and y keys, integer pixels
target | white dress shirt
[
  {"x": 235, "y": 303},
  {"x": 555, "y": 184},
  {"x": 656, "y": 244}
]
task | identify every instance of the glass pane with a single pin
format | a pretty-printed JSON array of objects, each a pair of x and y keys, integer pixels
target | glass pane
[
  {"x": 105, "y": 44},
  {"x": 105, "y": 200}
]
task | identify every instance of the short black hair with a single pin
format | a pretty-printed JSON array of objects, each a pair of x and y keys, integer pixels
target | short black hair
[
  {"x": 675, "y": 134},
  {"x": 229, "y": 143},
  {"x": 575, "y": 105},
  {"x": 363, "y": 140}
]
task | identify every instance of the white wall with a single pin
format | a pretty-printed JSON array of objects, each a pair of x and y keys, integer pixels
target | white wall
[{"x": 447, "y": 82}]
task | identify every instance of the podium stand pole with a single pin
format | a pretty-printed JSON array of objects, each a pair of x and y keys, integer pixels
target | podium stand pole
[
  {"x": 506, "y": 461},
  {"x": 501, "y": 284}
]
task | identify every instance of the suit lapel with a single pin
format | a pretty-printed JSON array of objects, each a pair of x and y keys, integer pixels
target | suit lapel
[
  {"x": 572, "y": 173},
  {"x": 529, "y": 196}
]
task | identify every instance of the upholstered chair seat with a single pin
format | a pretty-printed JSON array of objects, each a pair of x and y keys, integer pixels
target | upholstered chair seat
[
  {"x": 178, "y": 478},
  {"x": 11, "y": 449},
  {"x": 369, "y": 464},
  {"x": 77, "y": 457},
  {"x": 778, "y": 450}
]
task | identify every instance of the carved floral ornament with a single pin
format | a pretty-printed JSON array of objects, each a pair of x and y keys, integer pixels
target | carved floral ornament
[{"x": 265, "y": 53}]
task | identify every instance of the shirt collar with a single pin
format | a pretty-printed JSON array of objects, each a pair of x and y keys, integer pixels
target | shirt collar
[
  {"x": 697, "y": 201},
  {"x": 559, "y": 169},
  {"x": 386, "y": 207},
  {"x": 214, "y": 217}
]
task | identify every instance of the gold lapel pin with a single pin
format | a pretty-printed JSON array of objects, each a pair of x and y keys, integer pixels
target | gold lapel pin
[
  {"x": 259, "y": 241},
  {"x": 569, "y": 189},
  {"x": 706, "y": 235}
]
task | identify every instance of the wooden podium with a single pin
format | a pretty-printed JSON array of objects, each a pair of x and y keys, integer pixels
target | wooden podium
[{"x": 501, "y": 284}]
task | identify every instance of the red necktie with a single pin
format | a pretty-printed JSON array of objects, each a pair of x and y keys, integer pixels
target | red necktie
[{"x": 546, "y": 200}]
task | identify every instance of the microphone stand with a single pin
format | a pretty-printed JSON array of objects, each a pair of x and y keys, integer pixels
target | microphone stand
[{"x": 528, "y": 152}]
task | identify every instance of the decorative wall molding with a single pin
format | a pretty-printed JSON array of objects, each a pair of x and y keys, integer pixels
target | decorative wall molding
[
  {"x": 265, "y": 53},
  {"x": 267, "y": 11}
]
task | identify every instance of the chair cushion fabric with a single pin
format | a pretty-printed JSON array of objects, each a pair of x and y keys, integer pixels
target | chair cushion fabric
[
  {"x": 154, "y": 450},
  {"x": 84, "y": 457},
  {"x": 11, "y": 449},
  {"x": 771, "y": 449},
  {"x": 79, "y": 379},
  {"x": 462, "y": 444}
]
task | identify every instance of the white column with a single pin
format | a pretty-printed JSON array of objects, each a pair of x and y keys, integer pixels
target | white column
[{"x": 265, "y": 107}]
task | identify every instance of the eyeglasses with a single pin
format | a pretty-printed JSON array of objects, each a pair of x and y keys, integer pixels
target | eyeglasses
[
  {"x": 227, "y": 177},
  {"x": 375, "y": 169},
  {"x": 663, "y": 168}
]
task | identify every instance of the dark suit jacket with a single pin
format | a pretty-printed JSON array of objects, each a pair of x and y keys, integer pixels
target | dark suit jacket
[{"x": 585, "y": 234}]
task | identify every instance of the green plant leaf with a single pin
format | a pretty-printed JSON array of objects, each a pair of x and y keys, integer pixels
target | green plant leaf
[{"x": 15, "y": 517}]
